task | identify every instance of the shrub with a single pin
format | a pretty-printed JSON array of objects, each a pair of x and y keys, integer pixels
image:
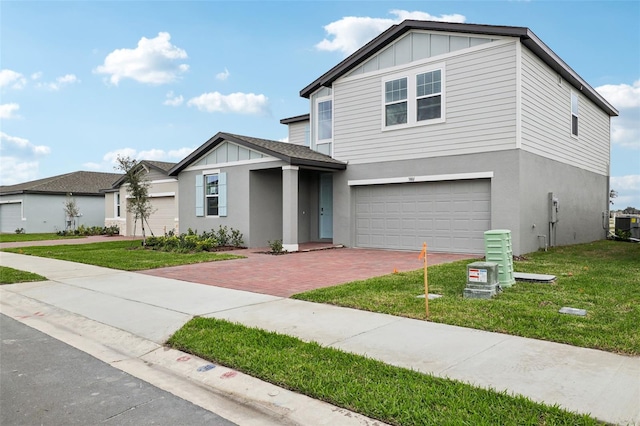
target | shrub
[
  {"x": 20, "y": 231},
  {"x": 192, "y": 242},
  {"x": 276, "y": 246}
]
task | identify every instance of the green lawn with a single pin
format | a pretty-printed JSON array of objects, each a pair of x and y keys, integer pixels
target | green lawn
[
  {"x": 124, "y": 255},
  {"x": 601, "y": 277},
  {"x": 12, "y": 276},
  {"x": 12, "y": 238},
  {"x": 391, "y": 394}
]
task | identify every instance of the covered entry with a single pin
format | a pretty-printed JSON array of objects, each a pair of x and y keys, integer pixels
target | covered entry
[{"x": 449, "y": 215}]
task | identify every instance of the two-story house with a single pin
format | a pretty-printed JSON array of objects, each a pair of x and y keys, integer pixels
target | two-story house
[{"x": 431, "y": 132}]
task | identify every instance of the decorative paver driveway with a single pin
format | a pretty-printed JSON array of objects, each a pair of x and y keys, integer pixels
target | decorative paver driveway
[{"x": 293, "y": 273}]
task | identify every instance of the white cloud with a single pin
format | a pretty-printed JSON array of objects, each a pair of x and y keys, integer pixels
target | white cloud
[
  {"x": 15, "y": 170},
  {"x": 625, "y": 129},
  {"x": 12, "y": 79},
  {"x": 36, "y": 75},
  {"x": 285, "y": 139},
  {"x": 352, "y": 32},
  {"x": 59, "y": 83},
  {"x": 152, "y": 62},
  {"x": 628, "y": 189},
  {"x": 22, "y": 143},
  {"x": 223, "y": 75},
  {"x": 110, "y": 159},
  {"x": 7, "y": 111},
  {"x": 241, "y": 103},
  {"x": 173, "y": 100}
]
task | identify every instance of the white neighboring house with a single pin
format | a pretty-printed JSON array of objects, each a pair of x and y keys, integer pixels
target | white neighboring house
[
  {"x": 163, "y": 194},
  {"x": 38, "y": 206}
]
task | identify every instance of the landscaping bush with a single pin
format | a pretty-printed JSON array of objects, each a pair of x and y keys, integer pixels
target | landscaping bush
[
  {"x": 194, "y": 242},
  {"x": 91, "y": 230}
]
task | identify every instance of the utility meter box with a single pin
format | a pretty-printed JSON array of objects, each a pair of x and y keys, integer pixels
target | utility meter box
[
  {"x": 498, "y": 249},
  {"x": 482, "y": 280}
]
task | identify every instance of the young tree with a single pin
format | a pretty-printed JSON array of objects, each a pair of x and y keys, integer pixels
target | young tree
[
  {"x": 71, "y": 210},
  {"x": 138, "y": 202}
]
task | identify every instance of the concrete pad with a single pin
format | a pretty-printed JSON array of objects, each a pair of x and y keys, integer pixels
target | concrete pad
[
  {"x": 180, "y": 296},
  {"x": 535, "y": 278},
  {"x": 143, "y": 320},
  {"x": 579, "y": 379},
  {"x": 423, "y": 346},
  {"x": 308, "y": 321}
]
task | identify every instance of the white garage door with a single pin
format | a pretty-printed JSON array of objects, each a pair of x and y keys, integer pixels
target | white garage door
[
  {"x": 450, "y": 216},
  {"x": 164, "y": 215},
  {"x": 10, "y": 217}
]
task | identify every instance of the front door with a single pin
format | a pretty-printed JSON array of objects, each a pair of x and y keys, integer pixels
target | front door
[{"x": 326, "y": 205}]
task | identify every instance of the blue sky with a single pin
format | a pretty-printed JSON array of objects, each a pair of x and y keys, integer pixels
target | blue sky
[{"x": 83, "y": 82}]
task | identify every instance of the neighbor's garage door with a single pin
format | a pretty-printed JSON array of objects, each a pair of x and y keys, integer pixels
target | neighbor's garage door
[
  {"x": 164, "y": 215},
  {"x": 10, "y": 217},
  {"x": 450, "y": 216}
]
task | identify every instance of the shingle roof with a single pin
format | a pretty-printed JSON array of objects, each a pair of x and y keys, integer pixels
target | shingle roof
[
  {"x": 296, "y": 155},
  {"x": 79, "y": 183},
  {"x": 162, "y": 166},
  {"x": 526, "y": 36}
]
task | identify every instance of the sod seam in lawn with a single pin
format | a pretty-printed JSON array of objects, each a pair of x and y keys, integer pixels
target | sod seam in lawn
[
  {"x": 123, "y": 255},
  {"x": 391, "y": 394},
  {"x": 601, "y": 277}
]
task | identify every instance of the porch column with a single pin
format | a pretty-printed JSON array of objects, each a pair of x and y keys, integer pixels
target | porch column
[{"x": 290, "y": 208}]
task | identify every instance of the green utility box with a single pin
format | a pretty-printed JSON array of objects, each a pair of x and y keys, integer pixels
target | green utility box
[{"x": 498, "y": 249}]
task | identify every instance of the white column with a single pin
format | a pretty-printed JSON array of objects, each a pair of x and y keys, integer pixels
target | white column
[{"x": 290, "y": 208}]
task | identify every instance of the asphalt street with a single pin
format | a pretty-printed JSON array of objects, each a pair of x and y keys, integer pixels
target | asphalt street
[{"x": 46, "y": 382}]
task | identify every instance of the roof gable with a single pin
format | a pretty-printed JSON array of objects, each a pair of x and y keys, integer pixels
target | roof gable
[
  {"x": 227, "y": 152},
  {"x": 159, "y": 167},
  {"x": 290, "y": 153},
  {"x": 395, "y": 32}
]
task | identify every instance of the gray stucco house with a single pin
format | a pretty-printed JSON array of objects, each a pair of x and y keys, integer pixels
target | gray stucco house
[
  {"x": 431, "y": 132},
  {"x": 38, "y": 206},
  {"x": 163, "y": 196}
]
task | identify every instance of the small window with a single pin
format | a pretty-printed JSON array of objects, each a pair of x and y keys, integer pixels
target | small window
[
  {"x": 211, "y": 194},
  {"x": 574, "y": 114},
  {"x": 117, "y": 204},
  {"x": 395, "y": 98},
  {"x": 325, "y": 120},
  {"x": 429, "y": 95},
  {"x": 307, "y": 136}
]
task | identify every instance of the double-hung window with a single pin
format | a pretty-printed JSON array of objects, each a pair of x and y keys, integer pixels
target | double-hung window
[
  {"x": 211, "y": 194},
  {"x": 395, "y": 102},
  {"x": 574, "y": 114},
  {"x": 325, "y": 120},
  {"x": 117, "y": 204},
  {"x": 415, "y": 98},
  {"x": 429, "y": 95}
]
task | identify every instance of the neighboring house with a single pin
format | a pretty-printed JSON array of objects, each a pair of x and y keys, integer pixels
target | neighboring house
[
  {"x": 450, "y": 130},
  {"x": 432, "y": 132},
  {"x": 38, "y": 206},
  {"x": 163, "y": 195}
]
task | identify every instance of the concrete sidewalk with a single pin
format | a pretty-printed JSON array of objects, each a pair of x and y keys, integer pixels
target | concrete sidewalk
[{"x": 149, "y": 309}]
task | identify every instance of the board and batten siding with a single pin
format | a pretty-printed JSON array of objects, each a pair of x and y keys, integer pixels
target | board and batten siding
[
  {"x": 298, "y": 133},
  {"x": 480, "y": 101},
  {"x": 546, "y": 119}
]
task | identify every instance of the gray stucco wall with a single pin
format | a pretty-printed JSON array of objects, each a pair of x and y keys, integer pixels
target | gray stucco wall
[
  {"x": 519, "y": 190},
  {"x": 265, "y": 205},
  {"x": 45, "y": 213},
  {"x": 582, "y": 196}
]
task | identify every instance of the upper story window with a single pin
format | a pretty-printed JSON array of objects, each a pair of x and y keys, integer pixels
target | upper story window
[
  {"x": 574, "y": 114},
  {"x": 325, "y": 120},
  {"x": 414, "y": 99}
]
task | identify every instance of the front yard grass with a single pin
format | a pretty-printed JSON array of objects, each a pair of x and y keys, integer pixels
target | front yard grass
[
  {"x": 12, "y": 276},
  {"x": 13, "y": 238},
  {"x": 123, "y": 255},
  {"x": 602, "y": 277},
  {"x": 393, "y": 395}
]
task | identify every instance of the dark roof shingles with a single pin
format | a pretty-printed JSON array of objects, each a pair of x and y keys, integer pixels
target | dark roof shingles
[{"x": 76, "y": 182}]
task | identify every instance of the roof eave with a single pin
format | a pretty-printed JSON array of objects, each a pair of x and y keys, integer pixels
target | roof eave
[{"x": 296, "y": 119}]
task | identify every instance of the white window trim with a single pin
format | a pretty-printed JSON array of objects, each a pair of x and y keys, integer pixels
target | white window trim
[
  {"x": 117, "y": 203},
  {"x": 412, "y": 97},
  {"x": 317, "y": 122},
  {"x": 573, "y": 93},
  {"x": 206, "y": 173}
]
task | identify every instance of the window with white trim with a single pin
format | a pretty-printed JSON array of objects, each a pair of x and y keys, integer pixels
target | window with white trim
[
  {"x": 211, "y": 194},
  {"x": 117, "y": 204},
  {"x": 325, "y": 120},
  {"x": 574, "y": 114},
  {"x": 414, "y": 99}
]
